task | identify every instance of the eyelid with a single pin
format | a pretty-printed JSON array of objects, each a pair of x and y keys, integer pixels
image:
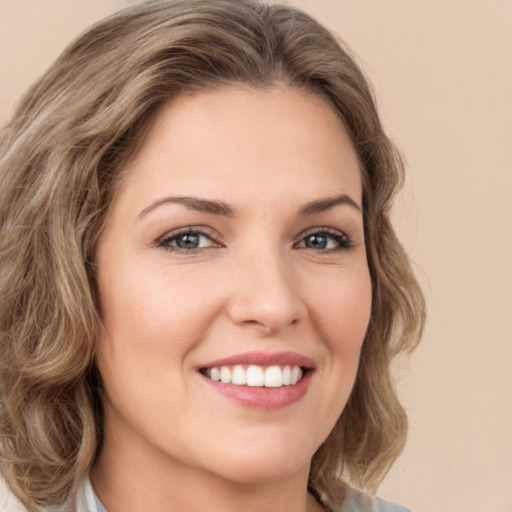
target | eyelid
[
  {"x": 163, "y": 240},
  {"x": 345, "y": 242}
]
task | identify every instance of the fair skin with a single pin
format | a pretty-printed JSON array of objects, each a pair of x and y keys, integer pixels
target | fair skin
[{"x": 236, "y": 240}]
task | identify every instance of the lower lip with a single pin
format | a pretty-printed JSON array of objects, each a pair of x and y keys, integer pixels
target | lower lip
[{"x": 263, "y": 398}]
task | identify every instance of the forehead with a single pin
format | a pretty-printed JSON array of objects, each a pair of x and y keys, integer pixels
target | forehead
[{"x": 251, "y": 139}]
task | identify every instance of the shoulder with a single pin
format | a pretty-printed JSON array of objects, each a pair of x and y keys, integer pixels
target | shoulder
[
  {"x": 357, "y": 501},
  {"x": 9, "y": 502},
  {"x": 85, "y": 499}
]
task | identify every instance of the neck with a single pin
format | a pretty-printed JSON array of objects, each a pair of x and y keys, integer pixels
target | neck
[{"x": 132, "y": 479}]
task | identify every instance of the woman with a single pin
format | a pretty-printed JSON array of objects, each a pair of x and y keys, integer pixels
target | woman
[{"x": 201, "y": 289}]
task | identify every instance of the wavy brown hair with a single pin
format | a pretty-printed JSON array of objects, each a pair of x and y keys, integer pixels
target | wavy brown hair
[{"x": 60, "y": 157}]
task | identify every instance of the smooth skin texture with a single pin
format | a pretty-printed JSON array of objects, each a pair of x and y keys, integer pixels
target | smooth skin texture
[{"x": 272, "y": 266}]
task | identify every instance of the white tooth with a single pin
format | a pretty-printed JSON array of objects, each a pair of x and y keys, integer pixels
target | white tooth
[
  {"x": 255, "y": 376},
  {"x": 238, "y": 376},
  {"x": 214, "y": 374},
  {"x": 296, "y": 371},
  {"x": 287, "y": 374},
  {"x": 225, "y": 375},
  {"x": 273, "y": 377}
]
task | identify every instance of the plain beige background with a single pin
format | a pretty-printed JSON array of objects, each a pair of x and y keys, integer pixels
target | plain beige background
[{"x": 443, "y": 76}]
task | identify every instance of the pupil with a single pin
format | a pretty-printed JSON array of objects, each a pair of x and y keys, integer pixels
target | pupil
[
  {"x": 316, "y": 242},
  {"x": 188, "y": 242}
]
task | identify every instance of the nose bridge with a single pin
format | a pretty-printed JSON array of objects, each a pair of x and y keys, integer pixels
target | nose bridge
[{"x": 265, "y": 291}]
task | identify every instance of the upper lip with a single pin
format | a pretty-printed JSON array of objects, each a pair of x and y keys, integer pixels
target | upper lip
[{"x": 263, "y": 359}]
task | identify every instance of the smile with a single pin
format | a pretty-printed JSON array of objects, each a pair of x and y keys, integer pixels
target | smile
[
  {"x": 274, "y": 376},
  {"x": 260, "y": 380}
]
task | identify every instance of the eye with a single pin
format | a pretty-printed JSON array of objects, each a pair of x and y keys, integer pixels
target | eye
[
  {"x": 325, "y": 239},
  {"x": 189, "y": 240}
]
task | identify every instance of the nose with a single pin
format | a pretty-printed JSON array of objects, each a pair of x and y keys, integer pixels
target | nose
[{"x": 265, "y": 294}]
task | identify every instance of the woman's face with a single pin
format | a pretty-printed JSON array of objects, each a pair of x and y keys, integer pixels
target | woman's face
[{"x": 233, "y": 251}]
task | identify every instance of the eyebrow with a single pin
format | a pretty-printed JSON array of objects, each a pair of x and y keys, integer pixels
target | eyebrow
[
  {"x": 192, "y": 203},
  {"x": 325, "y": 204},
  {"x": 221, "y": 208}
]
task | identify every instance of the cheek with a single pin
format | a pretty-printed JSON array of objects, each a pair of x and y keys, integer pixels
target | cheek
[
  {"x": 149, "y": 328},
  {"x": 342, "y": 310},
  {"x": 153, "y": 319}
]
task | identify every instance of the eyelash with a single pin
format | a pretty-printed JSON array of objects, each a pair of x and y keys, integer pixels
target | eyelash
[
  {"x": 342, "y": 240},
  {"x": 167, "y": 239}
]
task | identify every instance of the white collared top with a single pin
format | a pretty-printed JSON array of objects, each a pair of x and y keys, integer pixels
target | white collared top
[{"x": 88, "y": 502}]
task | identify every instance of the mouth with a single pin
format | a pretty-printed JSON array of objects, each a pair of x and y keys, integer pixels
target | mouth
[
  {"x": 274, "y": 376},
  {"x": 268, "y": 381}
]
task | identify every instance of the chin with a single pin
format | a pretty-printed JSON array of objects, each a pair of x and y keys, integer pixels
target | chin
[
  {"x": 260, "y": 463},
  {"x": 263, "y": 471}
]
